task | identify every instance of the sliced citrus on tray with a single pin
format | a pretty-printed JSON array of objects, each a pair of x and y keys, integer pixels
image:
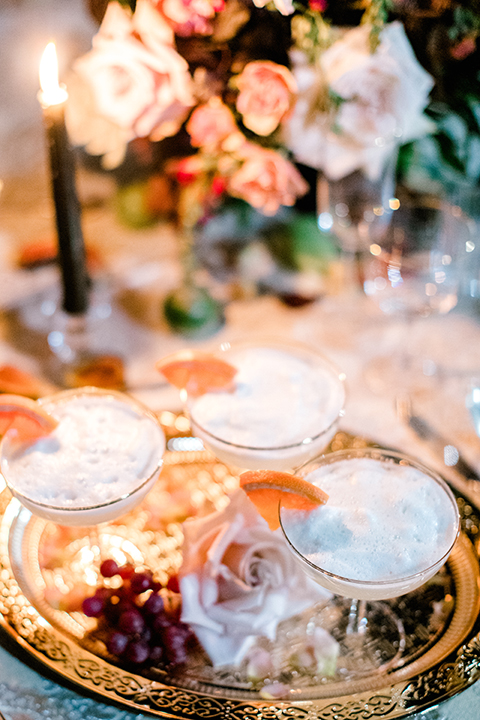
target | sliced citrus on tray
[
  {"x": 24, "y": 419},
  {"x": 266, "y": 488},
  {"x": 197, "y": 372}
]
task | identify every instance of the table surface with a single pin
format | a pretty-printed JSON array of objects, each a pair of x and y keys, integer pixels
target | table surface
[{"x": 141, "y": 267}]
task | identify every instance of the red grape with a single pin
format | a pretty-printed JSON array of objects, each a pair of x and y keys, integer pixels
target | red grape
[
  {"x": 117, "y": 643},
  {"x": 153, "y": 604},
  {"x": 156, "y": 653},
  {"x": 173, "y": 584},
  {"x": 131, "y": 622},
  {"x": 140, "y": 582},
  {"x": 109, "y": 568},
  {"x": 137, "y": 652},
  {"x": 175, "y": 639},
  {"x": 93, "y": 606},
  {"x": 126, "y": 571}
]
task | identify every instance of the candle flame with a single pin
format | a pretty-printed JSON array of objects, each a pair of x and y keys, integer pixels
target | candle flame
[{"x": 51, "y": 92}]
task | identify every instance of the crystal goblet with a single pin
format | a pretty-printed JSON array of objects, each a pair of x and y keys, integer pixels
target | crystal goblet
[
  {"x": 388, "y": 526},
  {"x": 98, "y": 464},
  {"x": 414, "y": 272},
  {"x": 284, "y": 408}
]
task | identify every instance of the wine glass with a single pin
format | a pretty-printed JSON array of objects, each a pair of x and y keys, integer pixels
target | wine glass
[
  {"x": 357, "y": 209},
  {"x": 100, "y": 461},
  {"x": 388, "y": 526},
  {"x": 414, "y": 271},
  {"x": 284, "y": 408}
]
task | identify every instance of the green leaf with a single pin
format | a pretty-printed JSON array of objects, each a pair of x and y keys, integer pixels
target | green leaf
[{"x": 473, "y": 158}]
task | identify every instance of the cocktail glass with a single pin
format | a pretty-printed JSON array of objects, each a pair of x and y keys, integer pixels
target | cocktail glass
[
  {"x": 97, "y": 465},
  {"x": 389, "y": 525},
  {"x": 284, "y": 408}
]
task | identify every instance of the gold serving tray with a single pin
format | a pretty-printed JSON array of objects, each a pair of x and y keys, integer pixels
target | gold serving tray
[{"x": 442, "y": 655}]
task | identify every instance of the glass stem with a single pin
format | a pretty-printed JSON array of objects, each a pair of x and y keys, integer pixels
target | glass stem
[{"x": 357, "y": 618}]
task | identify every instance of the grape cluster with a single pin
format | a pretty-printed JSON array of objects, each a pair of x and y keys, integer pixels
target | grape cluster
[{"x": 136, "y": 631}]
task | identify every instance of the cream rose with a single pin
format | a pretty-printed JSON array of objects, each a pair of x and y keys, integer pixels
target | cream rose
[
  {"x": 144, "y": 88},
  {"x": 285, "y": 7},
  {"x": 266, "y": 94},
  {"x": 383, "y": 96},
  {"x": 239, "y": 581},
  {"x": 265, "y": 179}
]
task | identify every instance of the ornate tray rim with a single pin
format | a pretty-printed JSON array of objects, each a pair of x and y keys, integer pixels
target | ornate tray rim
[{"x": 62, "y": 656}]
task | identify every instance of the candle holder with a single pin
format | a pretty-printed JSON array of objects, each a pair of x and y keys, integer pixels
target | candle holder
[{"x": 72, "y": 348}]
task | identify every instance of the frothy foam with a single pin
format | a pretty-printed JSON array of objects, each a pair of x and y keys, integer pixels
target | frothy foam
[
  {"x": 280, "y": 398},
  {"x": 102, "y": 450},
  {"x": 382, "y": 521}
]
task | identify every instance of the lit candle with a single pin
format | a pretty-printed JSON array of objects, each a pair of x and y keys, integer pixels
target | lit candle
[{"x": 71, "y": 248}]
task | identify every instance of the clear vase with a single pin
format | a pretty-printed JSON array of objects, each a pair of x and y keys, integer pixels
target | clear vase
[{"x": 190, "y": 309}]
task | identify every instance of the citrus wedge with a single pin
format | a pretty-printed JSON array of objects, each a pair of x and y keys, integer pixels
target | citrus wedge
[
  {"x": 197, "y": 372},
  {"x": 18, "y": 382},
  {"x": 266, "y": 488},
  {"x": 24, "y": 419}
]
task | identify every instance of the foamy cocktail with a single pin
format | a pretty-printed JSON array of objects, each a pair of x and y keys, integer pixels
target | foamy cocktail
[
  {"x": 283, "y": 407},
  {"x": 98, "y": 463},
  {"x": 389, "y": 524}
]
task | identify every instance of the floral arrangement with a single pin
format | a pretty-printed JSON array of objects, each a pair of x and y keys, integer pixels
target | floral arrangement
[{"x": 234, "y": 96}]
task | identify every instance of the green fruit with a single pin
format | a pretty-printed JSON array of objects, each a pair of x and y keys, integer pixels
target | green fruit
[
  {"x": 190, "y": 310},
  {"x": 131, "y": 203}
]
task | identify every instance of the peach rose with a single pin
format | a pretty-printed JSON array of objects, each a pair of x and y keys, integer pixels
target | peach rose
[
  {"x": 267, "y": 93},
  {"x": 239, "y": 580},
  {"x": 144, "y": 88},
  {"x": 211, "y": 124},
  {"x": 266, "y": 179}
]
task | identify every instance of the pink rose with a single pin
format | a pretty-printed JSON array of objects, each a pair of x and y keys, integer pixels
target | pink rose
[
  {"x": 189, "y": 17},
  {"x": 145, "y": 88},
  {"x": 210, "y": 124},
  {"x": 239, "y": 580},
  {"x": 266, "y": 179},
  {"x": 267, "y": 93}
]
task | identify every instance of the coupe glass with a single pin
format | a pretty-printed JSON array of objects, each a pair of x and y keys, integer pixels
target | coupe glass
[
  {"x": 389, "y": 525},
  {"x": 412, "y": 273},
  {"x": 97, "y": 465},
  {"x": 283, "y": 410}
]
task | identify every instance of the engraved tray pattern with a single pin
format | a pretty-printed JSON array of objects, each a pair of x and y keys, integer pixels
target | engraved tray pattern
[{"x": 437, "y": 667}]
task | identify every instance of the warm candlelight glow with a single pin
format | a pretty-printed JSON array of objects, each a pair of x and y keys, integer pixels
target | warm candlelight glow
[{"x": 51, "y": 92}]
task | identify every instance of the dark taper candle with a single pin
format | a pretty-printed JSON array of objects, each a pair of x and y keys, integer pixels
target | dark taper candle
[{"x": 71, "y": 247}]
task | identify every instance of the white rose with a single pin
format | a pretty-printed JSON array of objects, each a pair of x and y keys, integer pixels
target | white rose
[
  {"x": 144, "y": 88},
  {"x": 384, "y": 95},
  {"x": 239, "y": 581}
]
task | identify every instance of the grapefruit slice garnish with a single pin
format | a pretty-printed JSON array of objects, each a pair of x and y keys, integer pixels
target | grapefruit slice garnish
[
  {"x": 24, "y": 419},
  {"x": 197, "y": 372},
  {"x": 266, "y": 488},
  {"x": 18, "y": 382}
]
